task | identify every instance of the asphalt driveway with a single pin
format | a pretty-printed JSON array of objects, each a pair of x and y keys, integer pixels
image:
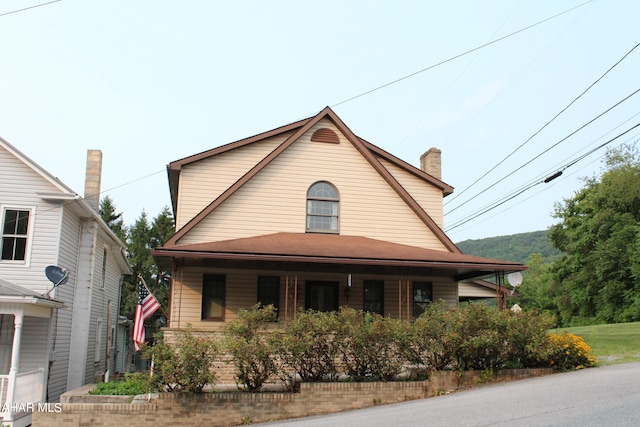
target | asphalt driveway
[{"x": 605, "y": 396}]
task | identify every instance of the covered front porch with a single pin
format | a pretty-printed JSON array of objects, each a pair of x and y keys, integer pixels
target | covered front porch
[
  {"x": 212, "y": 281},
  {"x": 25, "y": 321}
]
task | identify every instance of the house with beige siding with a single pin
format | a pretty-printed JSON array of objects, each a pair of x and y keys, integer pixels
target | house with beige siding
[
  {"x": 310, "y": 216},
  {"x": 53, "y": 338}
]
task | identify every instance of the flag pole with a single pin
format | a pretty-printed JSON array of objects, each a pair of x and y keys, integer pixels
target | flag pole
[{"x": 151, "y": 293}]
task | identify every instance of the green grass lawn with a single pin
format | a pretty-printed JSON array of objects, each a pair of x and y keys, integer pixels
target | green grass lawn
[{"x": 612, "y": 344}]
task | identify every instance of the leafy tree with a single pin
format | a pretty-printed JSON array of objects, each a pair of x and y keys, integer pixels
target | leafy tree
[
  {"x": 598, "y": 279},
  {"x": 535, "y": 292},
  {"x": 514, "y": 247}
]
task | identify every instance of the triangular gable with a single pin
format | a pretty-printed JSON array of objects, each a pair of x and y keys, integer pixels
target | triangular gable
[
  {"x": 67, "y": 195},
  {"x": 35, "y": 167},
  {"x": 300, "y": 129},
  {"x": 173, "y": 168}
]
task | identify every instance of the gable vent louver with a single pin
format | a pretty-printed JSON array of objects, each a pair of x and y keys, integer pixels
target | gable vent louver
[{"x": 325, "y": 135}]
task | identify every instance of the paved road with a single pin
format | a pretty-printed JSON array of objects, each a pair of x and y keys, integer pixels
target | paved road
[{"x": 606, "y": 396}]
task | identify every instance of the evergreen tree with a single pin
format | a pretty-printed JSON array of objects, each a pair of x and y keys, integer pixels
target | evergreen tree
[
  {"x": 139, "y": 256},
  {"x": 112, "y": 219},
  {"x": 142, "y": 237}
]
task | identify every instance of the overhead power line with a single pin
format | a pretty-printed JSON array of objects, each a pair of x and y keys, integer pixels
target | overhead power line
[
  {"x": 545, "y": 151},
  {"x": 459, "y": 55},
  {"x": 30, "y": 7},
  {"x": 546, "y": 180},
  {"x": 544, "y": 126}
]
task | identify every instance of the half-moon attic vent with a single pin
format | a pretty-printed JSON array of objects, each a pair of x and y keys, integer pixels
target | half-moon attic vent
[{"x": 325, "y": 135}]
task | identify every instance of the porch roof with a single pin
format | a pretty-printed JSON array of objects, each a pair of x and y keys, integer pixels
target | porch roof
[
  {"x": 12, "y": 293},
  {"x": 312, "y": 249}
]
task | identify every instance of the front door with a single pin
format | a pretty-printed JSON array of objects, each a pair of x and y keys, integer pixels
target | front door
[{"x": 321, "y": 295}]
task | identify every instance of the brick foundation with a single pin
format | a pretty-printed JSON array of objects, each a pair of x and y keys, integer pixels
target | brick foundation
[{"x": 234, "y": 408}]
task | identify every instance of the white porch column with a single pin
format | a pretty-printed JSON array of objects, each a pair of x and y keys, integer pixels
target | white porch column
[{"x": 15, "y": 356}]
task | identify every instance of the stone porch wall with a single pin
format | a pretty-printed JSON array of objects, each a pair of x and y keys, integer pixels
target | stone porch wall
[{"x": 235, "y": 408}]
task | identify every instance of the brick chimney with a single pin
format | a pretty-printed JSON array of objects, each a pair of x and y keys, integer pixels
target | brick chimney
[
  {"x": 93, "y": 178},
  {"x": 430, "y": 163}
]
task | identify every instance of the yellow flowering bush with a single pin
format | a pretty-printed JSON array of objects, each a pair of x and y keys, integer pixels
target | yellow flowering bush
[{"x": 569, "y": 351}]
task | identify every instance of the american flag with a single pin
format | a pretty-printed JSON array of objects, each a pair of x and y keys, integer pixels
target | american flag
[{"x": 147, "y": 305}]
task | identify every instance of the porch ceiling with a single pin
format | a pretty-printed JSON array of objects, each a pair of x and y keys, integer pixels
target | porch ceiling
[{"x": 320, "y": 251}]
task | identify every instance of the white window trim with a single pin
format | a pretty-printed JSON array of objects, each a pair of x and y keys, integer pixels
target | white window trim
[
  {"x": 321, "y": 199},
  {"x": 30, "y": 232}
]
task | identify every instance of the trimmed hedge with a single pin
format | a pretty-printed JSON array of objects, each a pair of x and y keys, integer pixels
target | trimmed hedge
[{"x": 367, "y": 347}]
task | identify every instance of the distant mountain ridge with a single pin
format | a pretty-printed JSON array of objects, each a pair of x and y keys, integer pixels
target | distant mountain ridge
[{"x": 514, "y": 247}]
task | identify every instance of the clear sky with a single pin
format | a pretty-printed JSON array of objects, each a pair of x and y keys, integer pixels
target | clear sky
[{"x": 150, "y": 82}]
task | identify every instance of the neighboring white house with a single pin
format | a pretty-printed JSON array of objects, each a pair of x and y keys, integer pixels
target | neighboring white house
[{"x": 53, "y": 340}]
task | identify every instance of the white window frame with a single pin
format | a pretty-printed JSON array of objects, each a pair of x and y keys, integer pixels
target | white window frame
[
  {"x": 29, "y": 235},
  {"x": 323, "y": 199}
]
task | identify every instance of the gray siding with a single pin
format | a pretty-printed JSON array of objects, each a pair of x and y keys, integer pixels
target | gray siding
[
  {"x": 62, "y": 319},
  {"x": 55, "y": 230},
  {"x": 34, "y": 343}
]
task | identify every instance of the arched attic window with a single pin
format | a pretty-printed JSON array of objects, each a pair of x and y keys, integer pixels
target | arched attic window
[{"x": 322, "y": 208}]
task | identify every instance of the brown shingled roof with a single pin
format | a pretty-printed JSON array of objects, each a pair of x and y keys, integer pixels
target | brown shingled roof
[{"x": 336, "y": 249}]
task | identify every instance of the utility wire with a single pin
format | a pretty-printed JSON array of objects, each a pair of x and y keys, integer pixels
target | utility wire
[
  {"x": 30, "y": 7},
  {"x": 544, "y": 126},
  {"x": 88, "y": 196},
  {"x": 443, "y": 94},
  {"x": 544, "y": 181},
  {"x": 558, "y": 166},
  {"x": 547, "y": 150},
  {"x": 459, "y": 55},
  {"x": 475, "y": 116}
]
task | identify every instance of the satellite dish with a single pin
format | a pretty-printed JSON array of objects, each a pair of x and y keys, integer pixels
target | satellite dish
[
  {"x": 515, "y": 280},
  {"x": 57, "y": 275}
]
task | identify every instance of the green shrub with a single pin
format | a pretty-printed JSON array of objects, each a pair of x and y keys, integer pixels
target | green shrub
[
  {"x": 527, "y": 339},
  {"x": 185, "y": 366},
  {"x": 131, "y": 385},
  {"x": 253, "y": 349},
  {"x": 434, "y": 337},
  {"x": 371, "y": 347},
  {"x": 570, "y": 352},
  {"x": 308, "y": 345},
  {"x": 482, "y": 343}
]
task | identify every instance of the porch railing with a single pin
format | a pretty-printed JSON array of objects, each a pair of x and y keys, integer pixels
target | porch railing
[{"x": 28, "y": 389}]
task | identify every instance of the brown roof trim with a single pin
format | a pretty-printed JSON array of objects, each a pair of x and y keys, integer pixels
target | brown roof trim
[
  {"x": 246, "y": 177},
  {"x": 503, "y": 289},
  {"x": 391, "y": 180},
  {"x": 177, "y": 253},
  {"x": 177, "y": 164},
  {"x": 364, "y": 150},
  {"x": 173, "y": 168},
  {"x": 446, "y": 188},
  {"x": 312, "y": 248}
]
